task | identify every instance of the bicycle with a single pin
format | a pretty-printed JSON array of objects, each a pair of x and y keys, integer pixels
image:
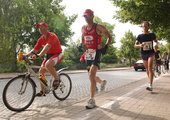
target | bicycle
[
  {"x": 20, "y": 91},
  {"x": 156, "y": 70},
  {"x": 164, "y": 67}
]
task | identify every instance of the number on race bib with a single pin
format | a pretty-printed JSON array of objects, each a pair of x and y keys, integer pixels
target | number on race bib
[
  {"x": 147, "y": 46},
  {"x": 90, "y": 54}
]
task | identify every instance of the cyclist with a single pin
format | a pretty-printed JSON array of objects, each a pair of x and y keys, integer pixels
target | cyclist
[
  {"x": 91, "y": 37},
  {"x": 51, "y": 49},
  {"x": 158, "y": 61},
  {"x": 165, "y": 58},
  {"x": 145, "y": 41}
]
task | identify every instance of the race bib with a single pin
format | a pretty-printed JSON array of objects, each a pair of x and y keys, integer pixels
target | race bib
[
  {"x": 90, "y": 54},
  {"x": 147, "y": 46}
]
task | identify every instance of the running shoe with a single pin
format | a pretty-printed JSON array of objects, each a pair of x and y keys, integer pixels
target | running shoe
[
  {"x": 91, "y": 104},
  {"x": 149, "y": 88},
  {"x": 103, "y": 84}
]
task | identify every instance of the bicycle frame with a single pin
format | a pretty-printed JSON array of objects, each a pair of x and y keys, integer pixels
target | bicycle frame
[{"x": 30, "y": 72}]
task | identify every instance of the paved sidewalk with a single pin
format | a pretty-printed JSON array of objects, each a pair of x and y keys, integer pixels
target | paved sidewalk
[{"x": 131, "y": 102}]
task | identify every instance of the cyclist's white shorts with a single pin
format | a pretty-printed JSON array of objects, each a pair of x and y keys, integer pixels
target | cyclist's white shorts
[{"x": 56, "y": 58}]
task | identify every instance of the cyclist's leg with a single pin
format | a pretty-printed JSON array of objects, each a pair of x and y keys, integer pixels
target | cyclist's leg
[
  {"x": 51, "y": 69},
  {"x": 42, "y": 71}
]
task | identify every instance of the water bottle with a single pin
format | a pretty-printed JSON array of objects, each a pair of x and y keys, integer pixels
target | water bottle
[{"x": 20, "y": 56}]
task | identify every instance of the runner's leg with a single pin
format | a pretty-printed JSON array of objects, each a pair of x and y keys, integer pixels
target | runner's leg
[
  {"x": 150, "y": 65},
  {"x": 102, "y": 82},
  {"x": 149, "y": 87},
  {"x": 92, "y": 76}
]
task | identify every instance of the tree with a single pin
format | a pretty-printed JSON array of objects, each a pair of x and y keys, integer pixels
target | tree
[
  {"x": 72, "y": 57},
  {"x": 127, "y": 49},
  {"x": 155, "y": 11},
  {"x": 17, "y": 19}
]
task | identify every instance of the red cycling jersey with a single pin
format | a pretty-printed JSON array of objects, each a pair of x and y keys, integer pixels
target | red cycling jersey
[
  {"x": 53, "y": 40},
  {"x": 90, "y": 37}
]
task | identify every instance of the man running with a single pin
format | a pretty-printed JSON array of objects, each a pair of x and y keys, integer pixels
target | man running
[{"x": 92, "y": 38}]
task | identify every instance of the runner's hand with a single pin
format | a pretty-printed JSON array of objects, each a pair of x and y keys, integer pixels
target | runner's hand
[
  {"x": 104, "y": 49},
  {"x": 142, "y": 45},
  {"x": 80, "y": 48}
]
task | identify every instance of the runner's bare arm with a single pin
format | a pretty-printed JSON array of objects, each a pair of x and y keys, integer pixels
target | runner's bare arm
[
  {"x": 103, "y": 31},
  {"x": 138, "y": 45}
]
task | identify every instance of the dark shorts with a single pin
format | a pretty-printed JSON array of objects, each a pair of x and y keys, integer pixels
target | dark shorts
[
  {"x": 95, "y": 62},
  {"x": 146, "y": 56}
]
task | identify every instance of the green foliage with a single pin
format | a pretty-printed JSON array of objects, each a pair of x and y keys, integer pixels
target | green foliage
[
  {"x": 110, "y": 56},
  {"x": 72, "y": 57},
  {"x": 163, "y": 48},
  {"x": 155, "y": 11},
  {"x": 17, "y": 18},
  {"x": 127, "y": 49}
]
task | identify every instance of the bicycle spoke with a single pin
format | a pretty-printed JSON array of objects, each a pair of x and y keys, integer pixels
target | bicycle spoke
[
  {"x": 18, "y": 94},
  {"x": 64, "y": 88}
]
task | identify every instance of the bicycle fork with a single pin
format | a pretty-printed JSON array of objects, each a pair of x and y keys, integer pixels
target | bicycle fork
[{"x": 23, "y": 84}]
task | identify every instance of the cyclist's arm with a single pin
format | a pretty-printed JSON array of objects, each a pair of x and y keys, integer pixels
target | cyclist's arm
[
  {"x": 32, "y": 52},
  {"x": 44, "y": 50}
]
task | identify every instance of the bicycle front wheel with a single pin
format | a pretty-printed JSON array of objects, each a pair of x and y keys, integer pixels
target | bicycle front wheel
[
  {"x": 64, "y": 89},
  {"x": 19, "y": 93}
]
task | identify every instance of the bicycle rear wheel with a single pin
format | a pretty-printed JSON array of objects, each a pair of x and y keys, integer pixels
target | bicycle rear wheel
[
  {"x": 64, "y": 89},
  {"x": 163, "y": 69},
  {"x": 19, "y": 93}
]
